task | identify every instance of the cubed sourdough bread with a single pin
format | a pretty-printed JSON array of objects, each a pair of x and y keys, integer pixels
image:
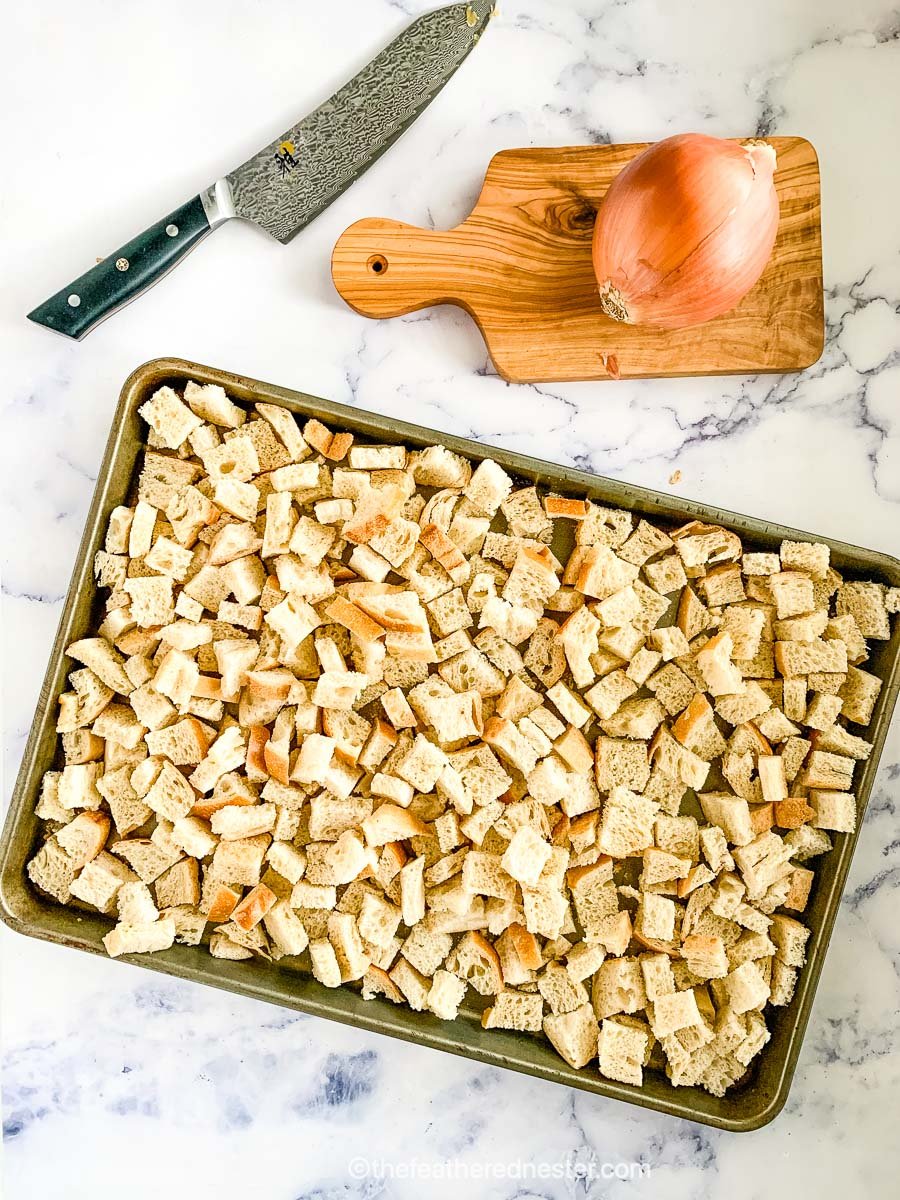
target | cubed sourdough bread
[{"x": 346, "y": 707}]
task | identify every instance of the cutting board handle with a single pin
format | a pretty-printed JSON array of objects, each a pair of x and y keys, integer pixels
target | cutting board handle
[{"x": 384, "y": 268}]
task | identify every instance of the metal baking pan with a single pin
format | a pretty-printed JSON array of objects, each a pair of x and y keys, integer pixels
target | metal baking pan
[{"x": 754, "y": 1102}]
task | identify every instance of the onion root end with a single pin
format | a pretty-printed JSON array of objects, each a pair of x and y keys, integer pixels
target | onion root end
[{"x": 613, "y": 302}]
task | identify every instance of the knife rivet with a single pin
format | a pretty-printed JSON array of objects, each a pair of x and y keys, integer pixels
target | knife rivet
[
  {"x": 121, "y": 264},
  {"x": 74, "y": 301},
  {"x": 172, "y": 230}
]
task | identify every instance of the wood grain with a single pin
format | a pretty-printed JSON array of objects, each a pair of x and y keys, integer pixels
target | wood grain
[{"x": 521, "y": 265}]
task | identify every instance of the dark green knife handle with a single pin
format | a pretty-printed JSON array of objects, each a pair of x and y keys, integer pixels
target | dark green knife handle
[{"x": 76, "y": 309}]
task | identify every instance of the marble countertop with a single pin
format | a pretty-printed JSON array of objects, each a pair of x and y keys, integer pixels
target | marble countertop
[{"x": 121, "y": 1082}]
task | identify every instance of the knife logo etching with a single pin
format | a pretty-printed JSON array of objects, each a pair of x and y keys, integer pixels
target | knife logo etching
[{"x": 285, "y": 158}]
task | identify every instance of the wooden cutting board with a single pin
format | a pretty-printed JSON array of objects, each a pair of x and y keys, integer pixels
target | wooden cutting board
[{"x": 521, "y": 265}]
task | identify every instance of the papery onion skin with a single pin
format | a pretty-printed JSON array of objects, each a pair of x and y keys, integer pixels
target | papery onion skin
[{"x": 685, "y": 230}]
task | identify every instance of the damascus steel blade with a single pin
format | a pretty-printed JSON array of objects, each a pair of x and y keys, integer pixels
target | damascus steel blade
[{"x": 290, "y": 181}]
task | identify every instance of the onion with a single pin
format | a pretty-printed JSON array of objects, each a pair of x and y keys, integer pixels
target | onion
[{"x": 685, "y": 230}]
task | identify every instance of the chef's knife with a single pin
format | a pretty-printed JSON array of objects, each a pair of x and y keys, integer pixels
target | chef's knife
[{"x": 287, "y": 183}]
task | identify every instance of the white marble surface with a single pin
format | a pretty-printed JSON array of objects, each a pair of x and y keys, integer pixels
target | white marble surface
[{"x": 118, "y": 1081}]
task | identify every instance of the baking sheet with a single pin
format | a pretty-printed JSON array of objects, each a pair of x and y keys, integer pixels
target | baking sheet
[{"x": 756, "y": 1101}]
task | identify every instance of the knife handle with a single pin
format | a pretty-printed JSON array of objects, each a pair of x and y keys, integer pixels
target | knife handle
[{"x": 137, "y": 265}]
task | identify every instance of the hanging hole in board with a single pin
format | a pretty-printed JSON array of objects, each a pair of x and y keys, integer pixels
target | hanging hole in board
[{"x": 377, "y": 264}]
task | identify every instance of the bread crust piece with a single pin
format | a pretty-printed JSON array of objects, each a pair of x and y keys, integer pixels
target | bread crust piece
[
  {"x": 390, "y": 823},
  {"x": 170, "y": 419},
  {"x": 104, "y": 661},
  {"x": 603, "y": 573},
  {"x": 254, "y": 906},
  {"x": 532, "y": 580},
  {"x": 375, "y": 510},
  {"x": 475, "y": 960},
  {"x": 445, "y": 551},
  {"x": 622, "y": 1051},
  {"x": 574, "y": 1035},
  {"x": 84, "y": 836},
  {"x": 140, "y": 939},
  {"x": 566, "y": 506}
]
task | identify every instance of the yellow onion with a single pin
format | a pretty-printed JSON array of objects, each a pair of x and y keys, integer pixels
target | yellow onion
[{"x": 685, "y": 230}]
